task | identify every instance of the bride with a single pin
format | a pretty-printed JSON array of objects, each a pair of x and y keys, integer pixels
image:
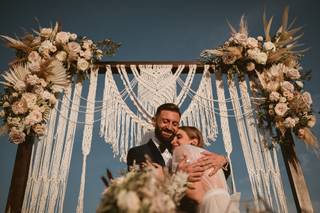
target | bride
[{"x": 211, "y": 192}]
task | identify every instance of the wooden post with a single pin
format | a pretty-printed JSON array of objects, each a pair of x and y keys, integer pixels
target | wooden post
[
  {"x": 19, "y": 177},
  {"x": 298, "y": 184}
]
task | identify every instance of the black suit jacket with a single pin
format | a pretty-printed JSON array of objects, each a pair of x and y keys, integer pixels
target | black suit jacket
[{"x": 138, "y": 153}]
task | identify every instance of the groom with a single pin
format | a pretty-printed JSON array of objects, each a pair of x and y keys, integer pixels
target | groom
[{"x": 166, "y": 123}]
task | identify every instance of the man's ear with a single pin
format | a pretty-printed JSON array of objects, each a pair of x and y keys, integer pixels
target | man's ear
[
  {"x": 154, "y": 120},
  {"x": 194, "y": 142}
]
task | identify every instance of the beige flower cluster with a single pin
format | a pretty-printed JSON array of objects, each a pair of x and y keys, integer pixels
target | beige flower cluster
[
  {"x": 45, "y": 63},
  {"x": 143, "y": 191},
  {"x": 274, "y": 61}
]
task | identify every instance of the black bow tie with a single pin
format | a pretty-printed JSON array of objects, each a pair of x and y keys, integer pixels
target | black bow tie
[{"x": 163, "y": 147}]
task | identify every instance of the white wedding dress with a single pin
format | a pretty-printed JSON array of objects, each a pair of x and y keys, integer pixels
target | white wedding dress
[{"x": 216, "y": 197}]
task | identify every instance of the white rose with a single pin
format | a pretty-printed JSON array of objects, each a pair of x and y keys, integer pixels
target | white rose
[
  {"x": 30, "y": 99},
  {"x": 262, "y": 58},
  {"x": 35, "y": 116},
  {"x": 240, "y": 38},
  {"x": 16, "y": 136},
  {"x": 307, "y": 98},
  {"x": 61, "y": 56},
  {"x": 45, "y": 32},
  {"x": 274, "y": 96},
  {"x": 74, "y": 48},
  {"x": 82, "y": 64},
  {"x": 20, "y": 86},
  {"x": 300, "y": 84},
  {"x": 293, "y": 74},
  {"x": 32, "y": 79},
  {"x": 252, "y": 43},
  {"x": 269, "y": 46},
  {"x": 19, "y": 107},
  {"x": 34, "y": 57},
  {"x": 287, "y": 86},
  {"x": 62, "y": 37},
  {"x": 312, "y": 121},
  {"x": 280, "y": 109},
  {"x": 260, "y": 38},
  {"x": 73, "y": 36},
  {"x": 289, "y": 122},
  {"x": 128, "y": 201}
]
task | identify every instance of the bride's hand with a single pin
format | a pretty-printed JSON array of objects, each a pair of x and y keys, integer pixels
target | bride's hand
[
  {"x": 193, "y": 170},
  {"x": 213, "y": 161}
]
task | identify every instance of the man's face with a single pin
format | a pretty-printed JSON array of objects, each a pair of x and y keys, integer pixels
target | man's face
[{"x": 166, "y": 125}]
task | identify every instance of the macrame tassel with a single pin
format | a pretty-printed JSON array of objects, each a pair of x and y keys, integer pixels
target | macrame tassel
[
  {"x": 224, "y": 123},
  {"x": 243, "y": 137},
  {"x": 87, "y": 134}
]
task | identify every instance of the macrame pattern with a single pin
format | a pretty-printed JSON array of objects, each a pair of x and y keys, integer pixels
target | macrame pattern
[{"x": 124, "y": 127}]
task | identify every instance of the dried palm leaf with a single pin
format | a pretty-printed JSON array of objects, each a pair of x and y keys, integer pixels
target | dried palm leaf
[
  {"x": 243, "y": 26},
  {"x": 267, "y": 26},
  {"x": 233, "y": 30},
  {"x": 16, "y": 44},
  {"x": 16, "y": 73},
  {"x": 57, "y": 75}
]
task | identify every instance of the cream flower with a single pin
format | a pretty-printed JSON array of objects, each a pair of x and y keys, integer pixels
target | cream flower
[
  {"x": 46, "y": 46},
  {"x": 30, "y": 99},
  {"x": 61, "y": 56},
  {"x": 87, "y": 44},
  {"x": 82, "y": 64},
  {"x": 282, "y": 100},
  {"x": 42, "y": 82},
  {"x": 19, "y": 107},
  {"x": 251, "y": 66},
  {"x": 62, "y": 37},
  {"x": 128, "y": 201},
  {"x": 2, "y": 114},
  {"x": 312, "y": 121},
  {"x": 46, "y": 95},
  {"x": 45, "y": 32},
  {"x": 252, "y": 43},
  {"x": 274, "y": 96},
  {"x": 260, "y": 38},
  {"x": 86, "y": 54},
  {"x": 300, "y": 84},
  {"x": 38, "y": 90},
  {"x": 257, "y": 55},
  {"x": 74, "y": 49},
  {"x": 39, "y": 129},
  {"x": 16, "y": 136},
  {"x": 5, "y": 104},
  {"x": 288, "y": 95},
  {"x": 280, "y": 109},
  {"x": 240, "y": 38},
  {"x": 35, "y": 116},
  {"x": 287, "y": 86},
  {"x": 269, "y": 46},
  {"x": 272, "y": 86},
  {"x": 293, "y": 74},
  {"x": 307, "y": 98},
  {"x": 34, "y": 66},
  {"x": 289, "y": 122},
  {"x": 73, "y": 36}
]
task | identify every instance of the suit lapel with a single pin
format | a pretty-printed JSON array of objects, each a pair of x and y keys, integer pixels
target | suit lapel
[{"x": 155, "y": 153}]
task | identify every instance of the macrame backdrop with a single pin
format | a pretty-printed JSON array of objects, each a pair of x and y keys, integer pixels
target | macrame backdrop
[{"x": 123, "y": 127}]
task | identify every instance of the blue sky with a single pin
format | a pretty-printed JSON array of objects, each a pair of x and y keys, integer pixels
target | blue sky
[{"x": 155, "y": 31}]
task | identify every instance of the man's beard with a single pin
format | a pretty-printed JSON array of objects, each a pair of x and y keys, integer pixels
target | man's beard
[{"x": 164, "y": 140}]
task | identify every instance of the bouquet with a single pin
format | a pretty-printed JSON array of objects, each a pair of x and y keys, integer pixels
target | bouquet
[{"x": 141, "y": 190}]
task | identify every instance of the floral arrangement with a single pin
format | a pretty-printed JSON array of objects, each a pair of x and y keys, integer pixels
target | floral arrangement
[
  {"x": 45, "y": 62},
  {"x": 141, "y": 190},
  {"x": 274, "y": 61}
]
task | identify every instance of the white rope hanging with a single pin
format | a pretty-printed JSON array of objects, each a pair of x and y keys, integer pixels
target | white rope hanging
[{"x": 87, "y": 135}]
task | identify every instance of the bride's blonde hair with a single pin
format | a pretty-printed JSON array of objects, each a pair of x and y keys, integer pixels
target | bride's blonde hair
[{"x": 193, "y": 133}]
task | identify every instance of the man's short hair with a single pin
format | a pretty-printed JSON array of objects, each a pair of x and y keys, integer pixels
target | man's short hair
[{"x": 169, "y": 107}]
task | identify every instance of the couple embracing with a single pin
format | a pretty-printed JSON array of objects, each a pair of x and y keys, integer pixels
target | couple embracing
[{"x": 181, "y": 149}]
